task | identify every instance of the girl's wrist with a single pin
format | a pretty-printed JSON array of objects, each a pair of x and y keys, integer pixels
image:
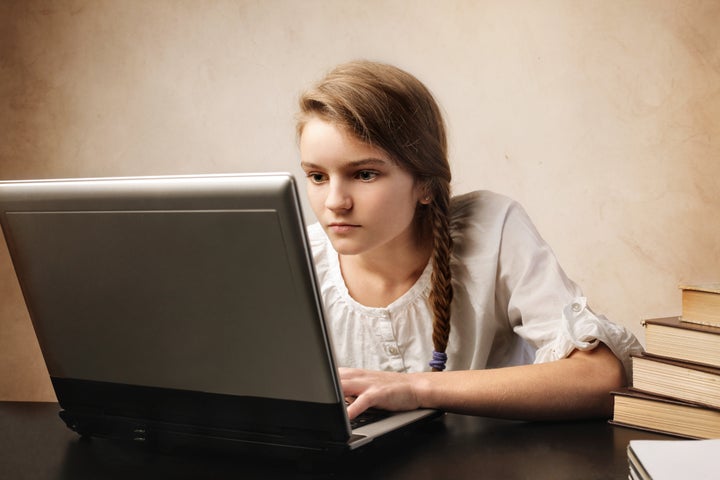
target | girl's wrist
[{"x": 422, "y": 386}]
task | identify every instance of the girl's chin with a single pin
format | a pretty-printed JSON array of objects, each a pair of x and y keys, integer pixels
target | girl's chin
[{"x": 345, "y": 247}]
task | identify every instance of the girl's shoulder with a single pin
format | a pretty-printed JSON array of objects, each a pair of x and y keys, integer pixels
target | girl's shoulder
[
  {"x": 316, "y": 235},
  {"x": 480, "y": 208},
  {"x": 482, "y": 219},
  {"x": 320, "y": 247},
  {"x": 480, "y": 198}
]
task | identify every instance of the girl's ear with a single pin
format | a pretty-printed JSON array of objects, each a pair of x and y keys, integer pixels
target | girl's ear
[{"x": 424, "y": 193}]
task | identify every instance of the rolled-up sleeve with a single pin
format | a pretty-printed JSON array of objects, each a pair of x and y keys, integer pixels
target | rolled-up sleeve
[
  {"x": 545, "y": 307},
  {"x": 582, "y": 329}
]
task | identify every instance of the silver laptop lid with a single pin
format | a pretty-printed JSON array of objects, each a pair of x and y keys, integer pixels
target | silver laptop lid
[{"x": 199, "y": 283}]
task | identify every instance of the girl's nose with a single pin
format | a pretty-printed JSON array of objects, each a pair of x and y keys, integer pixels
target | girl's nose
[{"x": 338, "y": 197}]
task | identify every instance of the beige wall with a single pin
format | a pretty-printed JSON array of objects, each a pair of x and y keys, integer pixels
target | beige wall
[{"x": 601, "y": 117}]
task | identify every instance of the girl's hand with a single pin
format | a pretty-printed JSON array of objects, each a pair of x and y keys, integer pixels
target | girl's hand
[{"x": 385, "y": 390}]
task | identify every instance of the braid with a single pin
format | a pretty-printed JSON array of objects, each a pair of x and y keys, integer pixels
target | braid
[{"x": 441, "y": 294}]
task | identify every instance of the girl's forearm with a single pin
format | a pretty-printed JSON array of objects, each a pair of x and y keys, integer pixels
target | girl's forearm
[{"x": 575, "y": 387}]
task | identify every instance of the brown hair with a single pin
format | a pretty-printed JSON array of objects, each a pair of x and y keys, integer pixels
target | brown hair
[{"x": 388, "y": 108}]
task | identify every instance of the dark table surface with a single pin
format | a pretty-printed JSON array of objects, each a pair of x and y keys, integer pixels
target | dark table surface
[{"x": 35, "y": 444}]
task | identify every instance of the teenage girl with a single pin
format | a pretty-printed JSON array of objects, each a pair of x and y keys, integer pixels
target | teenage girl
[{"x": 416, "y": 282}]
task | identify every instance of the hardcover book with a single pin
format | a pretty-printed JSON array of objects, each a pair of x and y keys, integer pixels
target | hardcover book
[
  {"x": 672, "y": 338},
  {"x": 673, "y": 459},
  {"x": 679, "y": 380},
  {"x": 658, "y": 414},
  {"x": 701, "y": 304}
]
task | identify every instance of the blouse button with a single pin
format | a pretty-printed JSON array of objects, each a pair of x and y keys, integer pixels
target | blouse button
[
  {"x": 576, "y": 307},
  {"x": 393, "y": 350}
]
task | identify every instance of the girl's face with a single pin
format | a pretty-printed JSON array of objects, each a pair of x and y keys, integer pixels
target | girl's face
[{"x": 365, "y": 202}]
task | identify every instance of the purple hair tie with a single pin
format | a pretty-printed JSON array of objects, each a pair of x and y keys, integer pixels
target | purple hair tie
[{"x": 438, "y": 360}]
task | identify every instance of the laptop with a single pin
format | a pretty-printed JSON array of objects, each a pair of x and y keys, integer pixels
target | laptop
[{"x": 181, "y": 309}]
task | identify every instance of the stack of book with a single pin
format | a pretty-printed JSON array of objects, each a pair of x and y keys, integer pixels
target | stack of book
[{"x": 676, "y": 382}]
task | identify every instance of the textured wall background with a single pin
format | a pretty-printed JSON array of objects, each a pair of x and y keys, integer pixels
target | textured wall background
[{"x": 602, "y": 118}]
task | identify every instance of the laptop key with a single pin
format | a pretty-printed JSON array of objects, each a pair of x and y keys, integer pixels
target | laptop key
[{"x": 370, "y": 415}]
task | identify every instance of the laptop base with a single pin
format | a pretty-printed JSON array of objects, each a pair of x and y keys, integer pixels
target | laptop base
[{"x": 171, "y": 437}]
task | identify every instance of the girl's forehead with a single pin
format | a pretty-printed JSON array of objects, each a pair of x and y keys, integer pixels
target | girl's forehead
[{"x": 320, "y": 138}]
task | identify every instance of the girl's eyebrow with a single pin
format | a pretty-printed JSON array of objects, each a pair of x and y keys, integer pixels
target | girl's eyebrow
[
  {"x": 367, "y": 161},
  {"x": 354, "y": 164}
]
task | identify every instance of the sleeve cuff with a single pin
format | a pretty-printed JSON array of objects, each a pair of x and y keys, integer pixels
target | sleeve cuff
[{"x": 582, "y": 329}]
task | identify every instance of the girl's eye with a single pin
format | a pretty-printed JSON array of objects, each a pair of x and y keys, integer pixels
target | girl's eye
[
  {"x": 366, "y": 175},
  {"x": 315, "y": 177}
]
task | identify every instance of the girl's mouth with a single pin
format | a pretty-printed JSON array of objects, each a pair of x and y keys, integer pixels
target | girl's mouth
[{"x": 342, "y": 227}]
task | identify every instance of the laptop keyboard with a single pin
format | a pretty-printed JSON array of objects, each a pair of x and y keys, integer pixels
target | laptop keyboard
[{"x": 370, "y": 415}]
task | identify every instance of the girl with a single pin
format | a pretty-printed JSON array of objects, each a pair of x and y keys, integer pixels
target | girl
[{"x": 415, "y": 282}]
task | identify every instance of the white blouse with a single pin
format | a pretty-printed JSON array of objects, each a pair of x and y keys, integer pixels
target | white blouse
[{"x": 513, "y": 304}]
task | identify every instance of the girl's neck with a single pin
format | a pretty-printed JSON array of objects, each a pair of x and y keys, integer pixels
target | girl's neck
[{"x": 376, "y": 279}]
